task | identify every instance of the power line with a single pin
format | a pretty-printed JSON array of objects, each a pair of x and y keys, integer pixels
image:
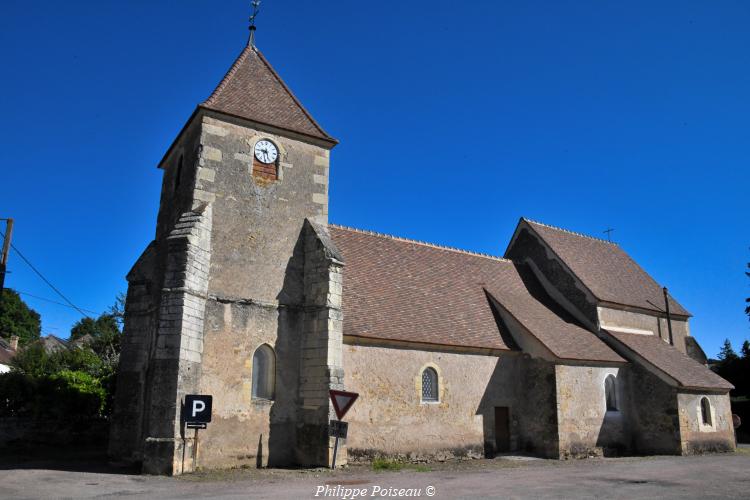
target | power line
[
  {"x": 50, "y": 300},
  {"x": 53, "y": 287}
]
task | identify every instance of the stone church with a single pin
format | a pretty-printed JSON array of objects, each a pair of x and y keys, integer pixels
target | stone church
[{"x": 561, "y": 348}]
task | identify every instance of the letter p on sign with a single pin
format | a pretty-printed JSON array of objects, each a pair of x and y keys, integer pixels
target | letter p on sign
[{"x": 197, "y": 408}]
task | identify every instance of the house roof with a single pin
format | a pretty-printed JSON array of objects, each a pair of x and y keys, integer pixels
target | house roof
[
  {"x": 399, "y": 289},
  {"x": 53, "y": 344},
  {"x": 254, "y": 91},
  {"x": 6, "y": 354},
  {"x": 686, "y": 371},
  {"x": 605, "y": 269}
]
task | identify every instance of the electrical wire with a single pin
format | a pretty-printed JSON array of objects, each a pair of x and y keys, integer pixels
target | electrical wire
[
  {"x": 50, "y": 300},
  {"x": 53, "y": 287}
]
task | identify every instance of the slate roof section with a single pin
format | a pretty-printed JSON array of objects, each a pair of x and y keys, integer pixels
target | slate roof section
[
  {"x": 605, "y": 269},
  {"x": 686, "y": 371},
  {"x": 398, "y": 289},
  {"x": 254, "y": 91}
]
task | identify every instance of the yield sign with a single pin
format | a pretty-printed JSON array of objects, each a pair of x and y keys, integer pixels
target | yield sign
[{"x": 342, "y": 401}]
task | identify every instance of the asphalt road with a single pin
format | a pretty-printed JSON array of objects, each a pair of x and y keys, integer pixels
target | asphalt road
[{"x": 710, "y": 476}]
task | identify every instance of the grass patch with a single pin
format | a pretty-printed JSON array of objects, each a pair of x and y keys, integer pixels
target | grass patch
[{"x": 383, "y": 464}]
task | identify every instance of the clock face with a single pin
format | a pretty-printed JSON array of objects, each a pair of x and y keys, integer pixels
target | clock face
[{"x": 265, "y": 151}]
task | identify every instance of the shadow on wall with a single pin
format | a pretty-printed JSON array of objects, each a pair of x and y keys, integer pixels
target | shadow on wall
[
  {"x": 283, "y": 417},
  {"x": 614, "y": 438},
  {"x": 498, "y": 436}
]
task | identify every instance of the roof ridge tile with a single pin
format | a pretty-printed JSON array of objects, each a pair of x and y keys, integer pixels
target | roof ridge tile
[
  {"x": 418, "y": 242},
  {"x": 574, "y": 233}
]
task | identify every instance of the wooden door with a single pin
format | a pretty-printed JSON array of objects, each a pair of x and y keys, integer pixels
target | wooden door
[{"x": 502, "y": 429}]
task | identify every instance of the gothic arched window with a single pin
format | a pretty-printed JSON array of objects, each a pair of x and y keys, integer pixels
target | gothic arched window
[
  {"x": 264, "y": 373},
  {"x": 705, "y": 411},
  {"x": 610, "y": 393},
  {"x": 430, "y": 385}
]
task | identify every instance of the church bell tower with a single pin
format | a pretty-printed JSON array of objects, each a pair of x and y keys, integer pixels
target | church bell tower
[{"x": 238, "y": 296}]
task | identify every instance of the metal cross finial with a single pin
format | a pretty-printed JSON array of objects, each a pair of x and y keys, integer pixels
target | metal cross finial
[
  {"x": 609, "y": 234},
  {"x": 256, "y": 11}
]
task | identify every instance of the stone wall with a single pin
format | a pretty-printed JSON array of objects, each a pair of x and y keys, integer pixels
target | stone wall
[
  {"x": 537, "y": 402},
  {"x": 321, "y": 363},
  {"x": 247, "y": 431},
  {"x": 225, "y": 274},
  {"x": 643, "y": 322},
  {"x": 389, "y": 418},
  {"x": 698, "y": 437},
  {"x": 257, "y": 252},
  {"x": 655, "y": 422},
  {"x": 585, "y": 426}
]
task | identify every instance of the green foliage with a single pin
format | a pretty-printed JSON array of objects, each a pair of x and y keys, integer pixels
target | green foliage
[
  {"x": 34, "y": 361},
  {"x": 727, "y": 353},
  {"x": 16, "y": 318},
  {"x": 105, "y": 336},
  {"x": 78, "y": 381},
  {"x": 385, "y": 464},
  {"x": 735, "y": 369},
  {"x": 65, "y": 395}
]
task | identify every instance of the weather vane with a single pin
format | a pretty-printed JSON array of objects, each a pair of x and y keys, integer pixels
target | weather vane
[
  {"x": 256, "y": 11},
  {"x": 609, "y": 234}
]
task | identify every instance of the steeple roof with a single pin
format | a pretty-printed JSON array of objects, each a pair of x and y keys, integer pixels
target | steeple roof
[{"x": 254, "y": 91}]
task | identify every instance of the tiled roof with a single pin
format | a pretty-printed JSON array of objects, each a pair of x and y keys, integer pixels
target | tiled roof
[
  {"x": 519, "y": 292},
  {"x": 603, "y": 267},
  {"x": 254, "y": 91},
  {"x": 6, "y": 355},
  {"x": 685, "y": 370},
  {"x": 398, "y": 289}
]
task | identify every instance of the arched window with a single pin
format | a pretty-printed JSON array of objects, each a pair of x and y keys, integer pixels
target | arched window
[
  {"x": 264, "y": 372},
  {"x": 610, "y": 393},
  {"x": 430, "y": 385},
  {"x": 705, "y": 411}
]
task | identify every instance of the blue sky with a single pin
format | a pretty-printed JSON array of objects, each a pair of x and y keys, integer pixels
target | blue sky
[{"x": 455, "y": 119}]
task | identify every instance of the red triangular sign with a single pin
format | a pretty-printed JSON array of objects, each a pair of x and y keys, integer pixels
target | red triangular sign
[{"x": 342, "y": 401}]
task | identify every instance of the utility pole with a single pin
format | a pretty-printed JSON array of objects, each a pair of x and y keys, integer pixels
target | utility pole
[{"x": 4, "y": 255}]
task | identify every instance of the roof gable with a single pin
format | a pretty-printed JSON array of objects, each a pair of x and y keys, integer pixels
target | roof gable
[
  {"x": 252, "y": 90},
  {"x": 605, "y": 269},
  {"x": 404, "y": 290}
]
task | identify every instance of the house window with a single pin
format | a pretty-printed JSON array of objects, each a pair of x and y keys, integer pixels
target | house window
[
  {"x": 429, "y": 385},
  {"x": 264, "y": 373},
  {"x": 705, "y": 411},
  {"x": 610, "y": 393}
]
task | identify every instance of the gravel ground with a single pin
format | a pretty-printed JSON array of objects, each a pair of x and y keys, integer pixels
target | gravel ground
[{"x": 708, "y": 476}]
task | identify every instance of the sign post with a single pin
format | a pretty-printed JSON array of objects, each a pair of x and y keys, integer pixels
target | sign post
[
  {"x": 342, "y": 401},
  {"x": 197, "y": 414}
]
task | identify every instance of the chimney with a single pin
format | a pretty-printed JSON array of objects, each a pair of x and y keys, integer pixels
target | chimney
[{"x": 14, "y": 342}]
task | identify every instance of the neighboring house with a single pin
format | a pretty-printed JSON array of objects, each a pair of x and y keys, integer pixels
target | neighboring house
[
  {"x": 54, "y": 344},
  {"x": 560, "y": 348},
  {"x": 8, "y": 349}
]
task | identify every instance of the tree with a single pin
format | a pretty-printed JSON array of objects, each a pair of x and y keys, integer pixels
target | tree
[
  {"x": 745, "y": 350},
  {"x": 727, "y": 354},
  {"x": 747, "y": 300},
  {"x": 117, "y": 310},
  {"x": 17, "y": 318}
]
